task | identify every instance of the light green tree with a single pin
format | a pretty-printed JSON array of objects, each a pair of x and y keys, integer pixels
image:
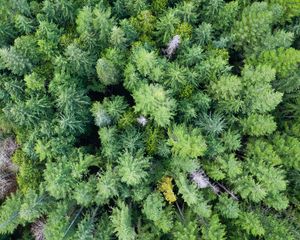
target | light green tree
[{"x": 152, "y": 100}]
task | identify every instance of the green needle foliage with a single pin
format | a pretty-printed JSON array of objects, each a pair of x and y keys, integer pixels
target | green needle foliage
[
  {"x": 149, "y": 119},
  {"x": 154, "y": 101}
]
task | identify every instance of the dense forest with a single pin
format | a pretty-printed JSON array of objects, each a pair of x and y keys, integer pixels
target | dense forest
[{"x": 149, "y": 119}]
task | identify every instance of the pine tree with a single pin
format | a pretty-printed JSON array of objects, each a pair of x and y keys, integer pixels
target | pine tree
[
  {"x": 255, "y": 24},
  {"x": 9, "y": 219},
  {"x": 34, "y": 205},
  {"x": 47, "y": 35},
  {"x": 154, "y": 101},
  {"x": 214, "y": 229},
  {"x": 85, "y": 192},
  {"x": 107, "y": 186},
  {"x": 15, "y": 62},
  {"x": 145, "y": 61},
  {"x": 78, "y": 60},
  {"x": 258, "y": 125},
  {"x": 107, "y": 72},
  {"x": 153, "y": 208},
  {"x": 250, "y": 222},
  {"x": 121, "y": 222},
  {"x": 185, "y": 142},
  {"x": 287, "y": 147},
  {"x": 60, "y": 182},
  {"x": 193, "y": 197},
  {"x": 59, "y": 222},
  {"x": 167, "y": 25},
  {"x": 149, "y": 119},
  {"x": 228, "y": 207},
  {"x": 86, "y": 227},
  {"x": 132, "y": 168},
  {"x": 29, "y": 112},
  {"x": 24, "y": 24},
  {"x": 285, "y": 62},
  {"x": 259, "y": 80}
]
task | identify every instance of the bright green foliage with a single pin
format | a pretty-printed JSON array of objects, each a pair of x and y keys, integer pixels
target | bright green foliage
[
  {"x": 154, "y": 209},
  {"x": 265, "y": 181},
  {"x": 33, "y": 206},
  {"x": 166, "y": 26},
  {"x": 107, "y": 186},
  {"x": 117, "y": 37},
  {"x": 226, "y": 166},
  {"x": 188, "y": 191},
  {"x": 107, "y": 72},
  {"x": 231, "y": 140},
  {"x": 145, "y": 61},
  {"x": 193, "y": 197},
  {"x": 85, "y": 192},
  {"x": 260, "y": 150},
  {"x": 185, "y": 142},
  {"x": 121, "y": 222},
  {"x": 186, "y": 231},
  {"x": 159, "y": 5},
  {"x": 110, "y": 110},
  {"x": 59, "y": 179},
  {"x": 85, "y": 228},
  {"x": 258, "y": 125},
  {"x": 227, "y": 90},
  {"x": 10, "y": 218},
  {"x": 29, "y": 174},
  {"x": 58, "y": 222},
  {"x": 290, "y": 10},
  {"x": 48, "y": 36},
  {"x": 248, "y": 188},
  {"x": 149, "y": 119},
  {"x": 132, "y": 169},
  {"x": 285, "y": 62},
  {"x": 249, "y": 33},
  {"x": 213, "y": 66},
  {"x": 259, "y": 95},
  {"x": 288, "y": 148},
  {"x": 214, "y": 230},
  {"x": 144, "y": 23},
  {"x": 34, "y": 81},
  {"x": 154, "y": 101},
  {"x": 227, "y": 207},
  {"x": 250, "y": 222}
]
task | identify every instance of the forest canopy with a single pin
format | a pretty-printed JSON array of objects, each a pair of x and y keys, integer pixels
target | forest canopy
[{"x": 149, "y": 119}]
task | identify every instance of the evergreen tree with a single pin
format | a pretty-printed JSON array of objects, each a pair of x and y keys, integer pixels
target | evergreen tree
[
  {"x": 132, "y": 168},
  {"x": 154, "y": 210},
  {"x": 121, "y": 221},
  {"x": 186, "y": 143},
  {"x": 154, "y": 101},
  {"x": 149, "y": 120}
]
